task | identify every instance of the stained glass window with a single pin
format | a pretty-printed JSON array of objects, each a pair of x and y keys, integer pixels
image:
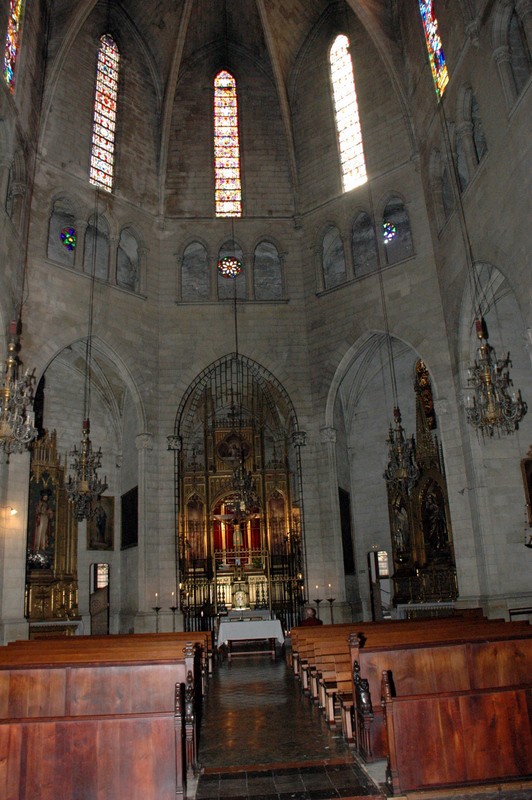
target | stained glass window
[
  {"x": 14, "y": 25},
  {"x": 228, "y": 188},
  {"x": 348, "y": 127},
  {"x": 434, "y": 47},
  {"x": 69, "y": 238},
  {"x": 104, "y": 122}
]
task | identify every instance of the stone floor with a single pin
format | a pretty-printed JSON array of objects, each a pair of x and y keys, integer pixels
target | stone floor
[{"x": 261, "y": 739}]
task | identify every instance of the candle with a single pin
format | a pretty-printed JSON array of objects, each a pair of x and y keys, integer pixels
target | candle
[
  {"x": 156, "y": 598},
  {"x": 173, "y": 595}
]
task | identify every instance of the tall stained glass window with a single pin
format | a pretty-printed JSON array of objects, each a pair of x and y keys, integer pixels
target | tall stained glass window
[
  {"x": 14, "y": 25},
  {"x": 348, "y": 127},
  {"x": 228, "y": 188},
  {"x": 434, "y": 47},
  {"x": 104, "y": 122}
]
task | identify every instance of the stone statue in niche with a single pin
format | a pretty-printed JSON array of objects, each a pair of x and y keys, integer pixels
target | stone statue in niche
[
  {"x": 401, "y": 532},
  {"x": 434, "y": 521}
]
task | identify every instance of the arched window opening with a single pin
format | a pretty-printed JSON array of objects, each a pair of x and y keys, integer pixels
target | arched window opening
[
  {"x": 228, "y": 187},
  {"x": 62, "y": 234},
  {"x": 127, "y": 261},
  {"x": 447, "y": 194},
  {"x": 195, "y": 273},
  {"x": 104, "y": 119},
  {"x": 333, "y": 258},
  {"x": 364, "y": 245},
  {"x": 461, "y": 163},
  {"x": 349, "y": 130},
  {"x": 438, "y": 66},
  {"x": 520, "y": 58},
  {"x": 267, "y": 274},
  {"x": 96, "y": 253},
  {"x": 229, "y": 286},
  {"x": 12, "y": 45},
  {"x": 479, "y": 137},
  {"x": 396, "y": 232}
]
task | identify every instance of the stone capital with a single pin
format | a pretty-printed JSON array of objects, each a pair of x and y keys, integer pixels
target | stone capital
[
  {"x": 328, "y": 435},
  {"x": 144, "y": 441}
]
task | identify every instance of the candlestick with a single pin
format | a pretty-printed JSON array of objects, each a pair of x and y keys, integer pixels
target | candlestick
[
  {"x": 318, "y": 601},
  {"x": 156, "y": 608},
  {"x": 173, "y": 609},
  {"x": 331, "y": 600}
]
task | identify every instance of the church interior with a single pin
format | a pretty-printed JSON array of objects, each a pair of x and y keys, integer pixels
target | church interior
[{"x": 317, "y": 215}]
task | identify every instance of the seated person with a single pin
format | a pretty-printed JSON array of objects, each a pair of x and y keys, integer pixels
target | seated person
[{"x": 310, "y": 617}]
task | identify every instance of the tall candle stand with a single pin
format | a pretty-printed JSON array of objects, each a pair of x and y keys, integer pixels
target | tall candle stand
[
  {"x": 173, "y": 609},
  {"x": 156, "y": 609},
  {"x": 331, "y": 600},
  {"x": 318, "y": 601}
]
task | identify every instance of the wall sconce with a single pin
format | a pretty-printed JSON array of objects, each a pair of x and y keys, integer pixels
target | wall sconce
[{"x": 10, "y": 511}]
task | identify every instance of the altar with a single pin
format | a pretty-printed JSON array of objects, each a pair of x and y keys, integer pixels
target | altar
[{"x": 254, "y": 629}]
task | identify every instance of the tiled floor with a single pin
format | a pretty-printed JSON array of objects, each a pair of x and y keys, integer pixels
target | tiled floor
[{"x": 260, "y": 739}]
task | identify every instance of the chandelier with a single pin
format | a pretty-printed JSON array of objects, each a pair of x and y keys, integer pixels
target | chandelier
[
  {"x": 492, "y": 406},
  {"x": 17, "y": 418},
  {"x": 84, "y": 487},
  {"x": 245, "y": 501},
  {"x": 402, "y": 471}
]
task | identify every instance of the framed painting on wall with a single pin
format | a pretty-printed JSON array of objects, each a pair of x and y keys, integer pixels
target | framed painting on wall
[
  {"x": 100, "y": 527},
  {"x": 130, "y": 523}
]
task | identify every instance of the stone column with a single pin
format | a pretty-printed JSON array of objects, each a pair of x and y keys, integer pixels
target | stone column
[{"x": 13, "y": 531}]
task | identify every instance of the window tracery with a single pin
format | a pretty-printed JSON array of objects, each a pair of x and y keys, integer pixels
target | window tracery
[
  {"x": 349, "y": 130},
  {"x": 12, "y": 42},
  {"x": 440, "y": 73},
  {"x": 104, "y": 118},
  {"x": 228, "y": 186}
]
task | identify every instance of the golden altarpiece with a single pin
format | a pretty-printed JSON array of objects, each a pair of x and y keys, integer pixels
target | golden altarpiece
[
  {"x": 238, "y": 496},
  {"x": 424, "y": 569},
  {"x": 51, "y": 605}
]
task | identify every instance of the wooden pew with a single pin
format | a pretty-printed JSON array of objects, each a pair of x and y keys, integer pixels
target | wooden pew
[
  {"x": 457, "y": 738},
  {"x": 442, "y": 659},
  {"x": 112, "y": 719},
  {"x": 201, "y": 639}
]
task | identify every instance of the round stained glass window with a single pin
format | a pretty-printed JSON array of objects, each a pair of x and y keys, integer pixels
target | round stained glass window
[
  {"x": 230, "y": 266},
  {"x": 69, "y": 238},
  {"x": 389, "y": 231}
]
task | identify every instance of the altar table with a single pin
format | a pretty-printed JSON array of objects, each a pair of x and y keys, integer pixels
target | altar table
[{"x": 250, "y": 630}]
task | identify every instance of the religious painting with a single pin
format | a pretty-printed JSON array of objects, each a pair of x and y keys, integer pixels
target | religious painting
[
  {"x": 526, "y": 470},
  {"x": 130, "y": 518},
  {"x": 41, "y": 523},
  {"x": 100, "y": 527}
]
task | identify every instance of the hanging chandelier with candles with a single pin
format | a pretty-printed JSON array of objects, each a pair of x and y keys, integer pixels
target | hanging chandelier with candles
[
  {"x": 84, "y": 487},
  {"x": 17, "y": 418},
  {"x": 492, "y": 406}
]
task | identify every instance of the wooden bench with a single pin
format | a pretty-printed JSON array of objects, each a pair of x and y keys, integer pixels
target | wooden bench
[
  {"x": 200, "y": 639},
  {"x": 432, "y": 660},
  {"x": 457, "y": 738},
  {"x": 114, "y": 719}
]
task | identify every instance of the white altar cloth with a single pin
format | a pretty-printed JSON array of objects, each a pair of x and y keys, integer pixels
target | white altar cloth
[{"x": 237, "y": 630}]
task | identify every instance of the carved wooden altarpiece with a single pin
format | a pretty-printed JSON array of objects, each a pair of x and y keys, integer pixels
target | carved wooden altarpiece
[
  {"x": 51, "y": 553},
  {"x": 420, "y": 523}
]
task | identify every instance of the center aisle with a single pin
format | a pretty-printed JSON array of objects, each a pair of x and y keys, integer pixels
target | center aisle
[{"x": 260, "y": 738}]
